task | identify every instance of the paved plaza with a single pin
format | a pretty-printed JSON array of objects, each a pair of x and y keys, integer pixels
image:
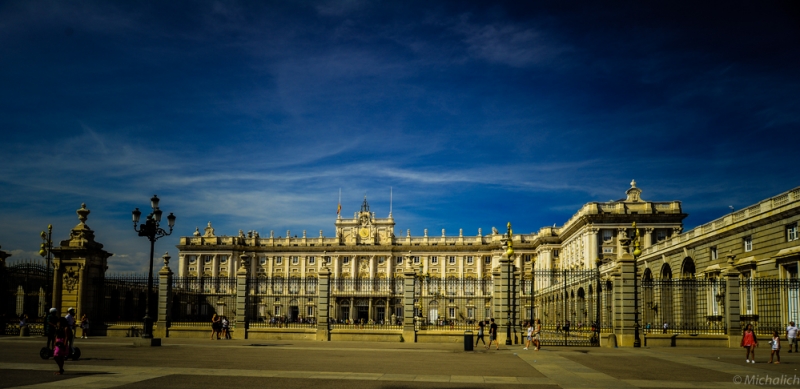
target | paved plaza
[{"x": 114, "y": 362}]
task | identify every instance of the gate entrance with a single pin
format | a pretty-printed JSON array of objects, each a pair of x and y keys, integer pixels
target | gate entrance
[{"x": 569, "y": 304}]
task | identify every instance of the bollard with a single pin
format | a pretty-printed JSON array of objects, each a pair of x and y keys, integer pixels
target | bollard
[{"x": 468, "y": 340}]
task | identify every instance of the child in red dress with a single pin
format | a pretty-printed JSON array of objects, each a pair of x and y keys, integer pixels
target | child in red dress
[{"x": 749, "y": 342}]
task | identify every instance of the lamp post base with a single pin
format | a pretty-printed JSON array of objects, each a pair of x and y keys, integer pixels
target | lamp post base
[{"x": 147, "y": 342}]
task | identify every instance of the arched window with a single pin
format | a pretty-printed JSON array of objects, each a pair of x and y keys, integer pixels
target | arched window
[{"x": 687, "y": 268}]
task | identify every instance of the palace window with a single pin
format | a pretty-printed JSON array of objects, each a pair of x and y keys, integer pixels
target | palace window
[
  {"x": 311, "y": 260},
  {"x": 416, "y": 259},
  {"x": 791, "y": 232},
  {"x": 262, "y": 260},
  {"x": 469, "y": 260},
  {"x": 381, "y": 260},
  {"x": 192, "y": 258},
  {"x": 208, "y": 258},
  {"x": 434, "y": 260},
  {"x": 607, "y": 235},
  {"x": 661, "y": 235},
  {"x": 399, "y": 260},
  {"x": 223, "y": 259},
  {"x": 278, "y": 260},
  {"x": 328, "y": 259},
  {"x": 452, "y": 313},
  {"x": 526, "y": 257},
  {"x": 748, "y": 243},
  {"x": 452, "y": 260},
  {"x": 555, "y": 253},
  {"x": 346, "y": 260},
  {"x": 608, "y": 250},
  {"x": 295, "y": 260},
  {"x": 713, "y": 253},
  {"x": 487, "y": 260}
]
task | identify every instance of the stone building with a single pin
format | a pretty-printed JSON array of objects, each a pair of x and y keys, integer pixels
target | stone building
[{"x": 368, "y": 247}]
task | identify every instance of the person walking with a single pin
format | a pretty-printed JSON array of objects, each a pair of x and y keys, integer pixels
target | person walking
[
  {"x": 481, "y": 326},
  {"x": 216, "y": 326},
  {"x": 749, "y": 342},
  {"x": 71, "y": 322},
  {"x": 63, "y": 337},
  {"x": 791, "y": 336},
  {"x": 776, "y": 347},
  {"x": 493, "y": 334},
  {"x": 537, "y": 333},
  {"x": 529, "y": 337},
  {"x": 226, "y": 328},
  {"x": 84, "y": 327},
  {"x": 50, "y": 324}
]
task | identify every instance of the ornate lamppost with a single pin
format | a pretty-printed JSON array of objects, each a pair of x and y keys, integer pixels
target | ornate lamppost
[
  {"x": 45, "y": 251},
  {"x": 509, "y": 255},
  {"x": 150, "y": 229},
  {"x": 637, "y": 342}
]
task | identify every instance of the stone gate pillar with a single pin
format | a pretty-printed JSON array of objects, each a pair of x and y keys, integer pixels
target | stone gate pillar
[
  {"x": 323, "y": 304},
  {"x": 623, "y": 302},
  {"x": 240, "y": 332},
  {"x": 164, "y": 299},
  {"x": 80, "y": 264},
  {"x": 732, "y": 307},
  {"x": 409, "y": 335}
]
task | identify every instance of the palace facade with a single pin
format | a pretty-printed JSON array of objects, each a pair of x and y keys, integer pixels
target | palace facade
[{"x": 367, "y": 246}]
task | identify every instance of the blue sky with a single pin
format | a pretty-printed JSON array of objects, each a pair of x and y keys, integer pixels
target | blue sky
[{"x": 253, "y": 115}]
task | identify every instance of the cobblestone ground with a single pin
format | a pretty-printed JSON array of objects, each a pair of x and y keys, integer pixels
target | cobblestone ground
[{"x": 185, "y": 363}]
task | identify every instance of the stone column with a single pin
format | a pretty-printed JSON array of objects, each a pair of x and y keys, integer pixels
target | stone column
[
  {"x": 648, "y": 237},
  {"x": 323, "y": 304},
  {"x": 215, "y": 265},
  {"x": 372, "y": 270},
  {"x": 623, "y": 302},
  {"x": 409, "y": 334},
  {"x": 732, "y": 307},
  {"x": 352, "y": 309},
  {"x": 164, "y": 300},
  {"x": 593, "y": 248},
  {"x": 498, "y": 296},
  {"x": 240, "y": 331},
  {"x": 369, "y": 314}
]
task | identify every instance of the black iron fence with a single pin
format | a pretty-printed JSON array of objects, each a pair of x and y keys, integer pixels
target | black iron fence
[
  {"x": 123, "y": 300},
  {"x": 769, "y": 304},
  {"x": 196, "y": 300},
  {"x": 282, "y": 303},
  {"x": 24, "y": 292},
  {"x": 568, "y": 304},
  {"x": 683, "y": 306},
  {"x": 452, "y": 303},
  {"x": 366, "y": 303}
]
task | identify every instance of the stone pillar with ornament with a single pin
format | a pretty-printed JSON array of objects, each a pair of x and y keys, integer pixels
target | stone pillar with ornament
[
  {"x": 240, "y": 331},
  {"x": 79, "y": 265},
  {"x": 164, "y": 299}
]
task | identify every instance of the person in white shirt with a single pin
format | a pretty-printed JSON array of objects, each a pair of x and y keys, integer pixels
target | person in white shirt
[
  {"x": 791, "y": 336},
  {"x": 71, "y": 321}
]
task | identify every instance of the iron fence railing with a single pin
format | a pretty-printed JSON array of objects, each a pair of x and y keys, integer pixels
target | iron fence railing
[
  {"x": 769, "y": 304},
  {"x": 682, "y": 306},
  {"x": 452, "y": 303},
  {"x": 198, "y": 299},
  {"x": 123, "y": 300},
  {"x": 282, "y": 303},
  {"x": 23, "y": 290}
]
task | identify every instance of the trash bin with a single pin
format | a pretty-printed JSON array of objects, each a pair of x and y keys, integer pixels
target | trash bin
[{"x": 468, "y": 340}]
